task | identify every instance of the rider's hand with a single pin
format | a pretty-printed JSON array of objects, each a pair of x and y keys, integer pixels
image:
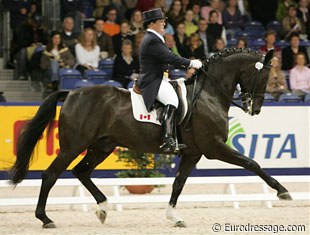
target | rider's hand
[{"x": 195, "y": 64}]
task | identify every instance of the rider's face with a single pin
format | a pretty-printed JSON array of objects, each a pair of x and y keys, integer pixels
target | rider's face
[{"x": 159, "y": 26}]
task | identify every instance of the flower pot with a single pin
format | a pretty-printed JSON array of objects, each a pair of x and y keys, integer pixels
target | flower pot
[{"x": 140, "y": 189}]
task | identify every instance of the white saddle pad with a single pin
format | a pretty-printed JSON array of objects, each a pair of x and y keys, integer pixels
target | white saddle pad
[{"x": 140, "y": 112}]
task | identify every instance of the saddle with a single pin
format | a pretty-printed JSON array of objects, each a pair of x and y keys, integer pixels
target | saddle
[{"x": 140, "y": 112}]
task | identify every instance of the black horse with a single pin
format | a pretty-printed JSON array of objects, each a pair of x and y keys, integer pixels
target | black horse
[{"x": 100, "y": 118}]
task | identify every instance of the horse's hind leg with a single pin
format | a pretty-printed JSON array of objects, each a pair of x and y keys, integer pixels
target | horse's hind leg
[
  {"x": 83, "y": 170},
  {"x": 186, "y": 165},
  {"x": 227, "y": 154},
  {"x": 49, "y": 178}
]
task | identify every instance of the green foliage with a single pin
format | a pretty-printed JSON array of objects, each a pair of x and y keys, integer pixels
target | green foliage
[{"x": 142, "y": 164}]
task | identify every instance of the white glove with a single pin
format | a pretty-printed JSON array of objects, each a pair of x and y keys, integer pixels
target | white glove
[{"x": 195, "y": 64}]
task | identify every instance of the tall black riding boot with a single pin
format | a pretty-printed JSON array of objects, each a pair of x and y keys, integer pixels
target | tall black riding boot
[{"x": 169, "y": 129}]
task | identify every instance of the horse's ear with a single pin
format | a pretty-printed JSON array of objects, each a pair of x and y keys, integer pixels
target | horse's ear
[{"x": 268, "y": 57}]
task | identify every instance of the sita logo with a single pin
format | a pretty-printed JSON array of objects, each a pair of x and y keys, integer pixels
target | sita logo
[{"x": 268, "y": 145}]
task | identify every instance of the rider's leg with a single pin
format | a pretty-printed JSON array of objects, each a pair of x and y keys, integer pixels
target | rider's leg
[{"x": 169, "y": 98}]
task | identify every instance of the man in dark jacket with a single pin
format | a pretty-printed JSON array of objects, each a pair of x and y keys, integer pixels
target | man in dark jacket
[{"x": 154, "y": 59}]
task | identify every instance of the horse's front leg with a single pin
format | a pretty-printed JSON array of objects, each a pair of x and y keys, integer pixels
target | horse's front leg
[{"x": 186, "y": 165}]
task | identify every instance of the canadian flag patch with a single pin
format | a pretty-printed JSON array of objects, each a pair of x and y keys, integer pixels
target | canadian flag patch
[{"x": 145, "y": 117}]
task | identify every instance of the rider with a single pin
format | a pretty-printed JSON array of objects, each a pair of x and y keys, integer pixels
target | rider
[{"x": 154, "y": 59}]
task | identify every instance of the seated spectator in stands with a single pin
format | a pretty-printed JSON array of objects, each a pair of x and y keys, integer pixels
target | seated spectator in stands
[
  {"x": 195, "y": 49},
  {"x": 2, "y": 98},
  {"x": 180, "y": 38},
  {"x": 175, "y": 15},
  {"x": 100, "y": 5},
  {"x": 303, "y": 14},
  {"x": 31, "y": 34},
  {"x": 185, "y": 5},
  {"x": 196, "y": 12},
  {"x": 104, "y": 41},
  {"x": 110, "y": 27},
  {"x": 160, "y": 4},
  {"x": 214, "y": 6},
  {"x": 232, "y": 18},
  {"x": 270, "y": 40},
  {"x": 125, "y": 68},
  {"x": 73, "y": 8},
  {"x": 243, "y": 6},
  {"x": 145, "y": 5},
  {"x": 276, "y": 83},
  {"x": 69, "y": 38},
  {"x": 168, "y": 28},
  {"x": 219, "y": 45},
  {"x": 282, "y": 9},
  {"x": 137, "y": 42},
  {"x": 136, "y": 22},
  {"x": 87, "y": 51},
  {"x": 190, "y": 26},
  {"x": 169, "y": 41},
  {"x": 207, "y": 40},
  {"x": 55, "y": 57},
  {"x": 291, "y": 23},
  {"x": 215, "y": 30},
  {"x": 242, "y": 43},
  {"x": 119, "y": 38},
  {"x": 300, "y": 76},
  {"x": 288, "y": 53}
]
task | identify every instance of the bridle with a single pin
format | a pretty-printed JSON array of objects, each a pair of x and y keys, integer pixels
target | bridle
[{"x": 247, "y": 97}]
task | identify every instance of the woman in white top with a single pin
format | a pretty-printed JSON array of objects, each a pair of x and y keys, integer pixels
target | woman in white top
[{"x": 87, "y": 51}]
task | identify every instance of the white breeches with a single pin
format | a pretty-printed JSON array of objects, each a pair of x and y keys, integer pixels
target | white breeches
[{"x": 167, "y": 94}]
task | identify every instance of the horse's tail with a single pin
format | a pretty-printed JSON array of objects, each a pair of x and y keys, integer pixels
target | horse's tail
[{"x": 31, "y": 133}]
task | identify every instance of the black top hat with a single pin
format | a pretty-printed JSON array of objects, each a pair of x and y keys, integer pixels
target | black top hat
[{"x": 154, "y": 14}]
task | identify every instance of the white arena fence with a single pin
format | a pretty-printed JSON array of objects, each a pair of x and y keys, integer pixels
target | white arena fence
[{"x": 230, "y": 194}]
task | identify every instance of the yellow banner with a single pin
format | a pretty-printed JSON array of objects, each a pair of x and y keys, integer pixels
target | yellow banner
[{"x": 13, "y": 118}]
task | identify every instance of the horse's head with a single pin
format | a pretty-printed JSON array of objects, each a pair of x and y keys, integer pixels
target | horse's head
[{"x": 253, "y": 82}]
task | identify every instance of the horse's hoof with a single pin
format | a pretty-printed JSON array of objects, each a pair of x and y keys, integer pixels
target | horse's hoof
[
  {"x": 49, "y": 225},
  {"x": 180, "y": 224},
  {"x": 285, "y": 196},
  {"x": 102, "y": 215}
]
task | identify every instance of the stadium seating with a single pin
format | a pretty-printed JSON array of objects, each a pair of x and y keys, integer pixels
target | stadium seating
[
  {"x": 83, "y": 83},
  {"x": 276, "y": 26},
  {"x": 130, "y": 84},
  {"x": 68, "y": 78},
  {"x": 307, "y": 98},
  {"x": 112, "y": 83},
  {"x": 289, "y": 98},
  {"x": 268, "y": 98},
  {"x": 96, "y": 76},
  {"x": 106, "y": 65}
]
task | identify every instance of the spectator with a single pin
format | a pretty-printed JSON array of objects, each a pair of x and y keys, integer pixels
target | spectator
[
  {"x": 136, "y": 22},
  {"x": 282, "y": 9},
  {"x": 303, "y": 13},
  {"x": 291, "y": 51},
  {"x": 244, "y": 9},
  {"x": 300, "y": 76},
  {"x": 219, "y": 45},
  {"x": 69, "y": 38},
  {"x": 168, "y": 28},
  {"x": 206, "y": 39},
  {"x": 137, "y": 42},
  {"x": 30, "y": 35},
  {"x": 87, "y": 51},
  {"x": 160, "y": 4},
  {"x": 214, "y": 6},
  {"x": 185, "y": 5},
  {"x": 276, "y": 83},
  {"x": 232, "y": 18},
  {"x": 270, "y": 40},
  {"x": 54, "y": 57},
  {"x": 145, "y": 5},
  {"x": 73, "y": 8},
  {"x": 119, "y": 38},
  {"x": 104, "y": 41},
  {"x": 169, "y": 40},
  {"x": 2, "y": 98},
  {"x": 175, "y": 15},
  {"x": 100, "y": 5},
  {"x": 263, "y": 11},
  {"x": 196, "y": 12},
  {"x": 195, "y": 49},
  {"x": 190, "y": 27},
  {"x": 110, "y": 27},
  {"x": 291, "y": 23},
  {"x": 130, "y": 6},
  {"x": 215, "y": 30},
  {"x": 125, "y": 68},
  {"x": 180, "y": 38},
  {"x": 242, "y": 43}
]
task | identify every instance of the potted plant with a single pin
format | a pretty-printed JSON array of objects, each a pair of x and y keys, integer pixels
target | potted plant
[{"x": 142, "y": 165}]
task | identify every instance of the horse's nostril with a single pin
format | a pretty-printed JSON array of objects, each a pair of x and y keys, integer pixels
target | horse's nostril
[{"x": 257, "y": 112}]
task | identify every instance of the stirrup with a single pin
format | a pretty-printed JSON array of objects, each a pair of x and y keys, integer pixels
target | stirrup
[{"x": 170, "y": 145}]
